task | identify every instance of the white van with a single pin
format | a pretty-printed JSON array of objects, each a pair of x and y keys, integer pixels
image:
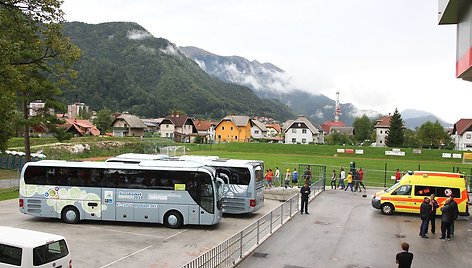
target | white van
[{"x": 26, "y": 248}]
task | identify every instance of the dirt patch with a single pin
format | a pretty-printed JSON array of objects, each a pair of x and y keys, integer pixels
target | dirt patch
[{"x": 98, "y": 158}]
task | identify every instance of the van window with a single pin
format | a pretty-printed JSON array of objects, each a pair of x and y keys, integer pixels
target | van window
[
  {"x": 421, "y": 190},
  {"x": 49, "y": 252},
  {"x": 402, "y": 190},
  {"x": 10, "y": 255}
]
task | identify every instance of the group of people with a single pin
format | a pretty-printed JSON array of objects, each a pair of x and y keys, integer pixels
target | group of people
[
  {"x": 272, "y": 178},
  {"x": 449, "y": 213},
  {"x": 354, "y": 180}
]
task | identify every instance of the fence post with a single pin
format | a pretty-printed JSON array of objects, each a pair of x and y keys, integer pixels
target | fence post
[
  {"x": 419, "y": 167},
  {"x": 258, "y": 232},
  {"x": 385, "y": 175},
  {"x": 240, "y": 244}
]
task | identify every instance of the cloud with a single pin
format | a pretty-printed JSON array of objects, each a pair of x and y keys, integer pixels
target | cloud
[
  {"x": 201, "y": 64},
  {"x": 171, "y": 50},
  {"x": 138, "y": 34}
]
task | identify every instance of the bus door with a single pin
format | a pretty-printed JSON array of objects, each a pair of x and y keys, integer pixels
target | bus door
[
  {"x": 108, "y": 188},
  {"x": 194, "y": 214}
]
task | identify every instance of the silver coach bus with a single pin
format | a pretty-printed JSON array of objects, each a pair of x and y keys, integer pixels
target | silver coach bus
[
  {"x": 174, "y": 193},
  {"x": 243, "y": 190}
]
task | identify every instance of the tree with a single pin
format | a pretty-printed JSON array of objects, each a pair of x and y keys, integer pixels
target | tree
[
  {"x": 432, "y": 135},
  {"x": 104, "y": 120},
  {"x": 337, "y": 138},
  {"x": 36, "y": 58},
  {"x": 396, "y": 131},
  {"x": 363, "y": 128}
]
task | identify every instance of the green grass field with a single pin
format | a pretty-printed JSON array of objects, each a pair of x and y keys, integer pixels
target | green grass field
[{"x": 6, "y": 194}]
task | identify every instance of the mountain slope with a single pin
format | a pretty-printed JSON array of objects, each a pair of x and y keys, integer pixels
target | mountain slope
[
  {"x": 125, "y": 68},
  {"x": 415, "y": 118},
  {"x": 271, "y": 82}
]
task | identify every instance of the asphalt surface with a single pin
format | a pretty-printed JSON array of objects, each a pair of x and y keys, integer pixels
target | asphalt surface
[
  {"x": 343, "y": 230},
  {"x": 120, "y": 244}
]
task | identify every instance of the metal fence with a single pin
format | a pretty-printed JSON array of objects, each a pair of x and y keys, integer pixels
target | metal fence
[{"x": 233, "y": 250}]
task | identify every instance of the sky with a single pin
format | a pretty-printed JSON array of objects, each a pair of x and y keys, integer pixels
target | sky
[{"x": 380, "y": 55}]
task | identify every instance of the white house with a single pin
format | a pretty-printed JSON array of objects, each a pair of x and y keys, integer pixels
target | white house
[
  {"x": 463, "y": 134},
  {"x": 178, "y": 127},
  {"x": 258, "y": 130},
  {"x": 301, "y": 130},
  {"x": 381, "y": 130}
]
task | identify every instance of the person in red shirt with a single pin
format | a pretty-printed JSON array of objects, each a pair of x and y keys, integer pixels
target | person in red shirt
[
  {"x": 398, "y": 175},
  {"x": 361, "y": 178}
]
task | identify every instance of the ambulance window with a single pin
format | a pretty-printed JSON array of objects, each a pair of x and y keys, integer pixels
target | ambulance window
[
  {"x": 403, "y": 190},
  {"x": 424, "y": 190},
  {"x": 446, "y": 191}
]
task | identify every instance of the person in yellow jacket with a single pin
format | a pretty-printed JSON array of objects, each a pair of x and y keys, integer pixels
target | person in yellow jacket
[{"x": 349, "y": 182}]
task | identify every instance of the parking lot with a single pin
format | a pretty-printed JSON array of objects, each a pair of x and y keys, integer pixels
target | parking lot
[{"x": 119, "y": 244}]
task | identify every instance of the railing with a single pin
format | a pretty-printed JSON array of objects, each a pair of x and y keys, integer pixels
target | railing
[{"x": 233, "y": 250}]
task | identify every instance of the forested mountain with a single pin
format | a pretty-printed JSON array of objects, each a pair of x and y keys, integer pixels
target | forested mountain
[
  {"x": 271, "y": 82},
  {"x": 123, "y": 67}
]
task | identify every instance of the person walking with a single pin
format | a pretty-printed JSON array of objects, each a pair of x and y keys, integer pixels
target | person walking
[
  {"x": 307, "y": 175},
  {"x": 277, "y": 176},
  {"x": 404, "y": 258},
  {"x": 333, "y": 179},
  {"x": 425, "y": 212},
  {"x": 305, "y": 193},
  {"x": 342, "y": 176},
  {"x": 269, "y": 176},
  {"x": 434, "y": 206},
  {"x": 295, "y": 176},
  {"x": 349, "y": 182},
  {"x": 361, "y": 178}
]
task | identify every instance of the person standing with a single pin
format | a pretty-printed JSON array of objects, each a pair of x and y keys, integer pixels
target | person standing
[
  {"x": 287, "y": 178},
  {"x": 305, "y": 193},
  {"x": 454, "y": 212},
  {"x": 269, "y": 177},
  {"x": 342, "y": 176},
  {"x": 361, "y": 178},
  {"x": 277, "y": 176},
  {"x": 349, "y": 182},
  {"x": 398, "y": 175},
  {"x": 295, "y": 176},
  {"x": 307, "y": 175},
  {"x": 425, "y": 212},
  {"x": 434, "y": 206},
  {"x": 333, "y": 179},
  {"x": 404, "y": 258},
  {"x": 446, "y": 218}
]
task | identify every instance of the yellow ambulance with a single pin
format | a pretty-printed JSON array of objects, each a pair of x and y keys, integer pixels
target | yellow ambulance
[{"x": 408, "y": 194}]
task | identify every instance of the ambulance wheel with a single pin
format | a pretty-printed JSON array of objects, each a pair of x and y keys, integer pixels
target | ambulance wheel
[
  {"x": 387, "y": 209},
  {"x": 173, "y": 219},
  {"x": 70, "y": 215}
]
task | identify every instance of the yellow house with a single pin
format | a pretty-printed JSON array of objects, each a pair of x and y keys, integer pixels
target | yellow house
[{"x": 233, "y": 128}]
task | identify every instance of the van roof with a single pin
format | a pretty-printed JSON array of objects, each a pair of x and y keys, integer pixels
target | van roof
[
  {"x": 26, "y": 238},
  {"x": 438, "y": 174}
]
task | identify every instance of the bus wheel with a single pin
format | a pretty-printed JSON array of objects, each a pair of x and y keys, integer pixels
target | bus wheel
[
  {"x": 70, "y": 215},
  {"x": 173, "y": 219},
  {"x": 387, "y": 209}
]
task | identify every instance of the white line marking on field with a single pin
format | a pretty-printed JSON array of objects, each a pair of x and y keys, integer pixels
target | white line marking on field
[
  {"x": 127, "y": 256},
  {"x": 176, "y": 234}
]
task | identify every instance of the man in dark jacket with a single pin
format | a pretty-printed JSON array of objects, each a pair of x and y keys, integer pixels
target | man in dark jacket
[
  {"x": 450, "y": 212},
  {"x": 425, "y": 214},
  {"x": 305, "y": 192},
  {"x": 434, "y": 206}
]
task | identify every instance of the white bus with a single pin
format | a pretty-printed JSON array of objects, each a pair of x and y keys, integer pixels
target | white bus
[
  {"x": 243, "y": 190},
  {"x": 132, "y": 158},
  {"x": 174, "y": 193}
]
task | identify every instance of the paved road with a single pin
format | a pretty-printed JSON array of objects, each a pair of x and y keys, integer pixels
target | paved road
[{"x": 343, "y": 230}]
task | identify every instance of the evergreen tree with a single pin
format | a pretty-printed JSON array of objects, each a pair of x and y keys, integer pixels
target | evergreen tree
[
  {"x": 104, "y": 120},
  {"x": 396, "y": 132}
]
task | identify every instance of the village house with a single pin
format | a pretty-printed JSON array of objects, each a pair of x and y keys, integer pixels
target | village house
[
  {"x": 381, "y": 130},
  {"x": 301, "y": 130},
  {"x": 80, "y": 127},
  {"x": 462, "y": 132},
  {"x": 127, "y": 125},
  {"x": 234, "y": 128},
  {"x": 178, "y": 127},
  {"x": 206, "y": 130},
  {"x": 274, "y": 130},
  {"x": 258, "y": 130}
]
